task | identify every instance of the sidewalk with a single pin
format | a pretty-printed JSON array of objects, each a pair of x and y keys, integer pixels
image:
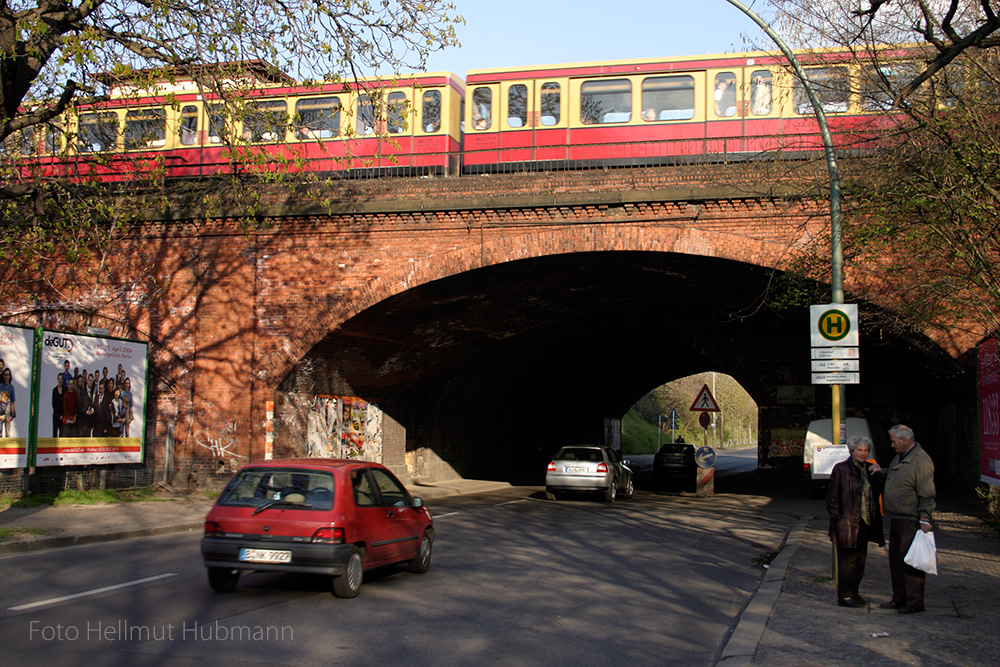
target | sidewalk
[
  {"x": 805, "y": 627},
  {"x": 792, "y": 618}
]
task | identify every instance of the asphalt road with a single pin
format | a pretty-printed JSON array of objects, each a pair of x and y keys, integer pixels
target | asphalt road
[{"x": 515, "y": 580}]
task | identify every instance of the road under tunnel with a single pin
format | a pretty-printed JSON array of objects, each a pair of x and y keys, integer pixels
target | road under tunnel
[{"x": 495, "y": 368}]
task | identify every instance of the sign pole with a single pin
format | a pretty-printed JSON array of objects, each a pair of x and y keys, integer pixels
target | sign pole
[{"x": 836, "y": 241}]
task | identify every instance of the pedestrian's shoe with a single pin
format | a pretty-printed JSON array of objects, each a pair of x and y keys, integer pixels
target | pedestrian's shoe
[
  {"x": 907, "y": 609},
  {"x": 892, "y": 604},
  {"x": 850, "y": 602},
  {"x": 860, "y": 600}
]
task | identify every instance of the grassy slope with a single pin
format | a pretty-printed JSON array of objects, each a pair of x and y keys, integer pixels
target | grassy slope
[{"x": 638, "y": 435}]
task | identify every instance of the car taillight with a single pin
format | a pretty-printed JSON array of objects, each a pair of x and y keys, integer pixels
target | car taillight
[
  {"x": 805, "y": 468},
  {"x": 329, "y": 536},
  {"x": 602, "y": 467},
  {"x": 212, "y": 528},
  {"x": 551, "y": 467}
]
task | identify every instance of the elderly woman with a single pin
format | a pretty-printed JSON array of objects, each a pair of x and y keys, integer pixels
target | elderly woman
[{"x": 852, "y": 500}]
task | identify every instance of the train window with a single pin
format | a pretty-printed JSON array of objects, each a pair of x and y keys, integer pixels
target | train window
[
  {"x": 430, "y": 114},
  {"x": 265, "y": 120},
  {"x": 97, "y": 132},
  {"x": 668, "y": 97},
  {"x": 317, "y": 117},
  {"x": 53, "y": 135},
  {"x": 21, "y": 143},
  {"x": 366, "y": 116},
  {"x": 482, "y": 108},
  {"x": 550, "y": 104},
  {"x": 606, "y": 101},
  {"x": 517, "y": 105},
  {"x": 832, "y": 86},
  {"x": 396, "y": 113},
  {"x": 725, "y": 94},
  {"x": 188, "y": 130},
  {"x": 26, "y": 141},
  {"x": 145, "y": 128},
  {"x": 879, "y": 84},
  {"x": 216, "y": 123},
  {"x": 760, "y": 92}
]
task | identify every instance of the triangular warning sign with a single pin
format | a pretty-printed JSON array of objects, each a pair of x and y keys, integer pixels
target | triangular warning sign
[{"x": 705, "y": 401}]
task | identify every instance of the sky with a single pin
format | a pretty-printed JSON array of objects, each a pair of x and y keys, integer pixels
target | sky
[{"x": 536, "y": 32}]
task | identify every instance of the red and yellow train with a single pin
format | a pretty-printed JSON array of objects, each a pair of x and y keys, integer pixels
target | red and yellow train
[{"x": 544, "y": 117}]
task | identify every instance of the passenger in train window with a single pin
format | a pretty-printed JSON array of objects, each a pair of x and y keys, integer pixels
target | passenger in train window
[
  {"x": 482, "y": 108},
  {"x": 649, "y": 114},
  {"x": 189, "y": 126},
  {"x": 725, "y": 95},
  {"x": 760, "y": 93}
]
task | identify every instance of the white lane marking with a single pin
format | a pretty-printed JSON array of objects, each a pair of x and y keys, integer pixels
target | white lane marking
[
  {"x": 441, "y": 516},
  {"x": 509, "y": 502},
  {"x": 96, "y": 591}
]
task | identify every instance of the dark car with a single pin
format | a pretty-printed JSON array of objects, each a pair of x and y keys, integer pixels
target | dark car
[
  {"x": 316, "y": 516},
  {"x": 588, "y": 468},
  {"x": 674, "y": 465}
]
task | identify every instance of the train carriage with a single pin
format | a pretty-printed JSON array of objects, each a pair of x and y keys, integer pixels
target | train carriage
[
  {"x": 406, "y": 125},
  {"x": 632, "y": 113}
]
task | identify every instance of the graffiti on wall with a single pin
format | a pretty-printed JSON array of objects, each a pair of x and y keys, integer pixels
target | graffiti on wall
[
  {"x": 345, "y": 427},
  {"x": 222, "y": 446}
]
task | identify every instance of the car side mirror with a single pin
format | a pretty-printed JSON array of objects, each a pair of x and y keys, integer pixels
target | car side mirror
[{"x": 416, "y": 502}]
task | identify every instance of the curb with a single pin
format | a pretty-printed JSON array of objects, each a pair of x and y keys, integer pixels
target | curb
[
  {"x": 741, "y": 646},
  {"x": 76, "y": 540}
]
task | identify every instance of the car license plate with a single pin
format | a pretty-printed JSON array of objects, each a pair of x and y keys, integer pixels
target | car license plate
[
  {"x": 575, "y": 469},
  {"x": 265, "y": 556}
]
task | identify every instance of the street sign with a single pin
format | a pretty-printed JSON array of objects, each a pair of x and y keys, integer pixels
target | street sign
[
  {"x": 835, "y": 353},
  {"x": 705, "y": 402},
  {"x": 833, "y": 325},
  {"x": 835, "y": 365},
  {"x": 704, "y": 457},
  {"x": 673, "y": 420},
  {"x": 704, "y": 419},
  {"x": 836, "y": 378}
]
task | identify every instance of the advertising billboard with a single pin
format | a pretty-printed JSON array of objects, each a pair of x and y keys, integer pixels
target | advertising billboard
[
  {"x": 16, "y": 359},
  {"x": 92, "y": 400},
  {"x": 989, "y": 412}
]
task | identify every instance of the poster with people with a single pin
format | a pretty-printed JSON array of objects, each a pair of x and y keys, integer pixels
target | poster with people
[
  {"x": 16, "y": 355},
  {"x": 92, "y": 400}
]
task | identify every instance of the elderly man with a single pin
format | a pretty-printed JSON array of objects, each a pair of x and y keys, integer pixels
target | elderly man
[{"x": 909, "y": 501}]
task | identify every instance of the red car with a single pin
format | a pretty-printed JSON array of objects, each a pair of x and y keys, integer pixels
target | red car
[{"x": 317, "y": 516}]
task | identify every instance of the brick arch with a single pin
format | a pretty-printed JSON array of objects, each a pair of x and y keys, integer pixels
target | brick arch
[{"x": 537, "y": 244}]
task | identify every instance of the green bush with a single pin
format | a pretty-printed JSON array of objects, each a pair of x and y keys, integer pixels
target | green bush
[{"x": 989, "y": 496}]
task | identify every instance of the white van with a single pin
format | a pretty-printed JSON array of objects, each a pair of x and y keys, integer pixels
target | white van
[{"x": 819, "y": 454}]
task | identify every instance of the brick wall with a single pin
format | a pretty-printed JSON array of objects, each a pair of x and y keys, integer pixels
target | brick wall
[{"x": 229, "y": 313}]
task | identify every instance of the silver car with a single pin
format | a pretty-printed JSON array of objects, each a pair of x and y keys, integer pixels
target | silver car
[{"x": 588, "y": 468}]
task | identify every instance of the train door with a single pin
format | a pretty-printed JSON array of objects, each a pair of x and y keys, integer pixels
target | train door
[
  {"x": 399, "y": 121},
  {"x": 516, "y": 128},
  {"x": 482, "y": 134},
  {"x": 762, "y": 113},
  {"x": 725, "y": 111},
  {"x": 549, "y": 120}
]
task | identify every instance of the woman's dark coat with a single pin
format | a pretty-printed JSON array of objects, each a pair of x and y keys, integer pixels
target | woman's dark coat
[{"x": 843, "y": 503}]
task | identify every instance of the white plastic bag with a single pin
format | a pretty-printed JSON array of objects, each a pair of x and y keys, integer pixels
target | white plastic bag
[{"x": 922, "y": 554}]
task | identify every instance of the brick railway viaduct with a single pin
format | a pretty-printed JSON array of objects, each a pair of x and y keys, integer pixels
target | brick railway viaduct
[{"x": 491, "y": 317}]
